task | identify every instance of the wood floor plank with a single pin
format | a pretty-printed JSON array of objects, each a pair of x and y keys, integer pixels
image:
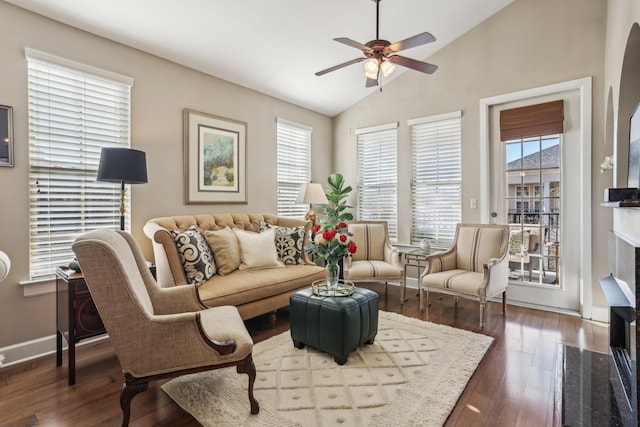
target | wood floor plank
[{"x": 512, "y": 386}]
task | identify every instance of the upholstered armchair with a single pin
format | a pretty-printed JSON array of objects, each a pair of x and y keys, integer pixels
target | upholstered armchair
[
  {"x": 157, "y": 332},
  {"x": 476, "y": 266},
  {"x": 375, "y": 259}
]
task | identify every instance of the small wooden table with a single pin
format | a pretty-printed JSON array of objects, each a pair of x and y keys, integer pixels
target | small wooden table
[{"x": 76, "y": 315}]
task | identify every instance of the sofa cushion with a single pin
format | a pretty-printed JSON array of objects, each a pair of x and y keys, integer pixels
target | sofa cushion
[
  {"x": 246, "y": 286},
  {"x": 257, "y": 250},
  {"x": 225, "y": 248},
  {"x": 289, "y": 242},
  {"x": 463, "y": 281},
  {"x": 195, "y": 255}
]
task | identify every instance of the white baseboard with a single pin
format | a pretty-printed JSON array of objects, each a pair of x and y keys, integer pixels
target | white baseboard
[
  {"x": 600, "y": 314},
  {"x": 29, "y": 350}
]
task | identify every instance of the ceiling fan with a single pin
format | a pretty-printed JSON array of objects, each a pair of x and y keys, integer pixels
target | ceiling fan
[{"x": 379, "y": 55}]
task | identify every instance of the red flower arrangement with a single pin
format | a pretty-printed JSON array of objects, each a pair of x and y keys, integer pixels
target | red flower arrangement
[{"x": 332, "y": 243}]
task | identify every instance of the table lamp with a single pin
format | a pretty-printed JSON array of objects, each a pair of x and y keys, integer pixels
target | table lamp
[
  {"x": 311, "y": 193},
  {"x": 123, "y": 165}
]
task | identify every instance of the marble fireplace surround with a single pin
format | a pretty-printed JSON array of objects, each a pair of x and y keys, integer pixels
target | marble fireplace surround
[{"x": 593, "y": 388}]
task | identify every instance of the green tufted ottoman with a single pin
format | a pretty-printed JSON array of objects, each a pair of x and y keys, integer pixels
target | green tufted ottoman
[{"x": 337, "y": 325}]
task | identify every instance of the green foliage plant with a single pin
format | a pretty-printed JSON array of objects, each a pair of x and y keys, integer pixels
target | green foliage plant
[{"x": 336, "y": 210}]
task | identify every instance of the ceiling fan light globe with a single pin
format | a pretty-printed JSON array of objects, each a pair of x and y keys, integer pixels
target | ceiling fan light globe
[
  {"x": 371, "y": 68},
  {"x": 387, "y": 67}
]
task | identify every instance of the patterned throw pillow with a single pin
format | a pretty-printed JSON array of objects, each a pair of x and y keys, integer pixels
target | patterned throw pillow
[
  {"x": 195, "y": 255},
  {"x": 519, "y": 242},
  {"x": 289, "y": 241}
]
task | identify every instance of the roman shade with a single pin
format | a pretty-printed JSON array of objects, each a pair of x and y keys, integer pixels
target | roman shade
[{"x": 532, "y": 120}]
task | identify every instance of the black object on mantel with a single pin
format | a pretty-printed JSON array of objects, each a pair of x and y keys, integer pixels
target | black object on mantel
[{"x": 620, "y": 194}]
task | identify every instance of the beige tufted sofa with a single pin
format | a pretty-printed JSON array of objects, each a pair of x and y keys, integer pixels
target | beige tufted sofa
[{"x": 253, "y": 292}]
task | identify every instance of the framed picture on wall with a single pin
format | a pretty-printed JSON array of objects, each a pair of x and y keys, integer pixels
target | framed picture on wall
[
  {"x": 6, "y": 136},
  {"x": 633, "y": 179},
  {"x": 214, "y": 159}
]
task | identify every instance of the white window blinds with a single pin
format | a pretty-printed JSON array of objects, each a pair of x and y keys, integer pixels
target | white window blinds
[
  {"x": 293, "y": 166},
  {"x": 436, "y": 183},
  {"x": 72, "y": 115},
  {"x": 378, "y": 175}
]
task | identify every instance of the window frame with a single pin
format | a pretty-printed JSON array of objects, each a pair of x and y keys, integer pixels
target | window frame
[
  {"x": 293, "y": 166},
  {"x": 435, "y": 220},
  {"x": 380, "y": 178},
  {"x": 74, "y": 111}
]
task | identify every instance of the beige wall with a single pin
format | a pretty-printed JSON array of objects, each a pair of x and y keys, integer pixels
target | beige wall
[
  {"x": 161, "y": 91},
  {"x": 621, "y": 94},
  {"x": 529, "y": 44}
]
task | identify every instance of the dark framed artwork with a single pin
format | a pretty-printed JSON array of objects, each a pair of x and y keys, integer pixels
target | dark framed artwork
[
  {"x": 633, "y": 178},
  {"x": 6, "y": 136},
  {"x": 214, "y": 159}
]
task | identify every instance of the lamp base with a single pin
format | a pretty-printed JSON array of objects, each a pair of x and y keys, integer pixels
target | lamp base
[{"x": 311, "y": 216}]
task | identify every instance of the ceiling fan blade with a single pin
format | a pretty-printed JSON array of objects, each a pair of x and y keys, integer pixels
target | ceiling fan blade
[
  {"x": 417, "y": 40},
  {"x": 336, "y": 67},
  {"x": 353, "y": 43},
  {"x": 371, "y": 82},
  {"x": 424, "y": 67}
]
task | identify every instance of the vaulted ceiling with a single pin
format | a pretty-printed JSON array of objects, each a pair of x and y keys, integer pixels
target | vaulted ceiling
[{"x": 274, "y": 47}]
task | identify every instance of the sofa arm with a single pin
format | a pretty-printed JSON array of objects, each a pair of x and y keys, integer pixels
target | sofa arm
[{"x": 169, "y": 271}]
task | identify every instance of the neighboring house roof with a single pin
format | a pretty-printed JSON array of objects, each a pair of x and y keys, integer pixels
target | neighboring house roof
[{"x": 550, "y": 159}]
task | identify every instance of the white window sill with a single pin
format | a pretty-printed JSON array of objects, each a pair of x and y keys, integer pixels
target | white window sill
[{"x": 44, "y": 286}]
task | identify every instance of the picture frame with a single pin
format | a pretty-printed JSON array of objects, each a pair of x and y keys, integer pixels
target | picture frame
[
  {"x": 214, "y": 159},
  {"x": 6, "y": 136}
]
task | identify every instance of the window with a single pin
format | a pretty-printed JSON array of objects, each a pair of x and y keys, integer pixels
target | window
[
  {"x": 378, "y": 176},
  {"x": 522, "y": 191},
  {"x": 74, "y": 111},
  {"x": 534, "y": 162},
  {"x": 436, "y": 179},
  {"x": 293, "y": 166}
]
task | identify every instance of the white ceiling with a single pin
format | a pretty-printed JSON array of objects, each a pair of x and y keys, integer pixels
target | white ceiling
[{"x": 276, "y": 46}]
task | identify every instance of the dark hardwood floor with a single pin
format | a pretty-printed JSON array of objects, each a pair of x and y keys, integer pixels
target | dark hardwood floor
[{"x": 513, "y": 386}]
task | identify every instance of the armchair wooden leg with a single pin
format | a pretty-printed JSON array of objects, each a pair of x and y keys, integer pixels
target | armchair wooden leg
[
  {"x": 421, "y": 293},
  {"x": 249, "y": 368},
  {"x": 130, "y": 388},
  {"x": 482, "y": 313}
]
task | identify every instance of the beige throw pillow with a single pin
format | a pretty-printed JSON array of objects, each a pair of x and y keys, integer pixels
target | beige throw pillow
[
  {"x": 225, "y": 248},
  {"x": 257, "y": 250}
]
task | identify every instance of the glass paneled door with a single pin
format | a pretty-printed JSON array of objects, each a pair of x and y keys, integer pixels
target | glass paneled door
[{"x": 532, "y": 206}]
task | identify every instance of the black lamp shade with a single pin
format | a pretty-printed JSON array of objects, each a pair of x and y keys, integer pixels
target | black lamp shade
[{"x": 122, "y": 165}]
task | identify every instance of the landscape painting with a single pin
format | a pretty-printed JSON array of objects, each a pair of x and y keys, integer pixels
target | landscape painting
[
  {"x": 215, "y": 153},
  {"x": 218, "y": 160}
]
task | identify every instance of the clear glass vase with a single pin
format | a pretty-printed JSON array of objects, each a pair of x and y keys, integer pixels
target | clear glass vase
[{"x": 333, "y": 273}]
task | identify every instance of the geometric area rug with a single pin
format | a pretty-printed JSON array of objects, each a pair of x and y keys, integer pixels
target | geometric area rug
[{"x": 412, "y": 375}]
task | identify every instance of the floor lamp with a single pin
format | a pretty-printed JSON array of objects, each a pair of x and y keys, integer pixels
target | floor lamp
[{"x": 124, "y": 166}]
